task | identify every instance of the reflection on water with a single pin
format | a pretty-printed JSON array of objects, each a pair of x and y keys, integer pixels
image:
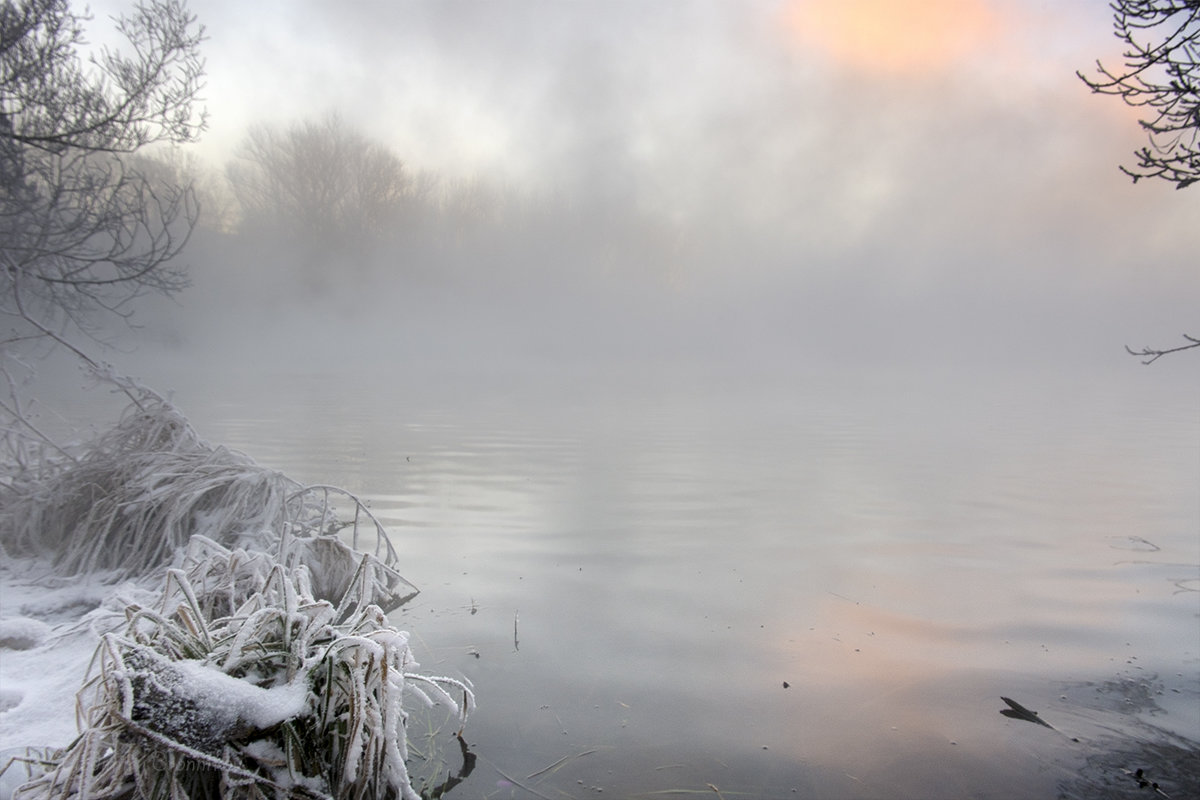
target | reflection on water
[{"x": 631, "y": 578}]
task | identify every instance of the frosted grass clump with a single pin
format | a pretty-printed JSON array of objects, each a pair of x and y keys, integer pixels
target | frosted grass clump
[
  {"x": 277, "y": 697},
  {"x": 265, "y": 666},
  {"x": 131, "y": 502}
]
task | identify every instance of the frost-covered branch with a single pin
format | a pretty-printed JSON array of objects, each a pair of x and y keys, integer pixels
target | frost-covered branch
[{"x": 82, "y": 232}]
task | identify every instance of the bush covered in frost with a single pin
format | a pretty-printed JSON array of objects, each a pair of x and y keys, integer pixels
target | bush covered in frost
[
  {"x": 266, "y": 666},
  {"x": 133, "y": 499}
]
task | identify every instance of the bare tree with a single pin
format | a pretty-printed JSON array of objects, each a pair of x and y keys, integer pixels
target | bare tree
[
  {"x": 323, "y": 180},
  {"x": 1160, "y": 74},
  {"x": 81, "y": 230}
]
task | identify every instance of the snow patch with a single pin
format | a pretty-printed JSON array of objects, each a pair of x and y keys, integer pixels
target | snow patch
[
  {"x": 22, "y": 633},
  {"x": 10, "y": 698},
  {"x": 242, "y": 700}
]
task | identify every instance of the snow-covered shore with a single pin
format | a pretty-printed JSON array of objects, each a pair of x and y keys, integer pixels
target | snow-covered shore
[{"x": 49, "y": 630}]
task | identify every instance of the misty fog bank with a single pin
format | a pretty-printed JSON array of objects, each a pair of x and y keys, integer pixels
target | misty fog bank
[
  {"x": 734, "y": 191},
  {"x": 548, "y": 310}
]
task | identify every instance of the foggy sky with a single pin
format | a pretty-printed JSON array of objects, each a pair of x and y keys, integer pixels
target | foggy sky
[
  {"x": 827, "y": 118},
  {"x": 914, "y": 143}
]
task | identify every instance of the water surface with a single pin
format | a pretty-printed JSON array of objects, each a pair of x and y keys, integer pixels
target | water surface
[{"x": 818, "y": 587}]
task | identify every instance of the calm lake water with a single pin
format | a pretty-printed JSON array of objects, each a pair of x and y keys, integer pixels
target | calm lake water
[{"x": 818, "y": 587}]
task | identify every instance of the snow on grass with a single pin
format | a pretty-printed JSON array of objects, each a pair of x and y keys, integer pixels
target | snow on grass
[{"x": 230, "y": 638}]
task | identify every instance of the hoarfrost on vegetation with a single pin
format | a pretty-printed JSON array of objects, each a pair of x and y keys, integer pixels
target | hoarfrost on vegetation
[{"x": 247, "y": 652}]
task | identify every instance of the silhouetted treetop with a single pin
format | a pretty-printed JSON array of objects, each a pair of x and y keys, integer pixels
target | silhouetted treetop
[{"x": 1160, "y": 74}]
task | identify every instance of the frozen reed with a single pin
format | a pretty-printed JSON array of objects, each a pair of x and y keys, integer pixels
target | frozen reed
[{"x": 266, "y": 667}]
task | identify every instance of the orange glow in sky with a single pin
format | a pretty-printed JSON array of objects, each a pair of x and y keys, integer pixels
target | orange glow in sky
[{"x": 893, "y": 36}]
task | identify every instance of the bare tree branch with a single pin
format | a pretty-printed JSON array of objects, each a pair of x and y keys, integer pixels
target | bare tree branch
[
  {"x": 82, "y": 231},
  {"x": 1152, "y": 354},
  {"x": 1160, "y": 74}
]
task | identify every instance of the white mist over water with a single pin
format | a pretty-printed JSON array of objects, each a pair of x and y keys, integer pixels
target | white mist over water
[{"x": 900, "y": 547}]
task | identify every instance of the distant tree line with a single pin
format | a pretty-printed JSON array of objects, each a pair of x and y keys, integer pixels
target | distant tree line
[
  {"x": 320, "y": 193},
  {"x": 327, "y": 184}
]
